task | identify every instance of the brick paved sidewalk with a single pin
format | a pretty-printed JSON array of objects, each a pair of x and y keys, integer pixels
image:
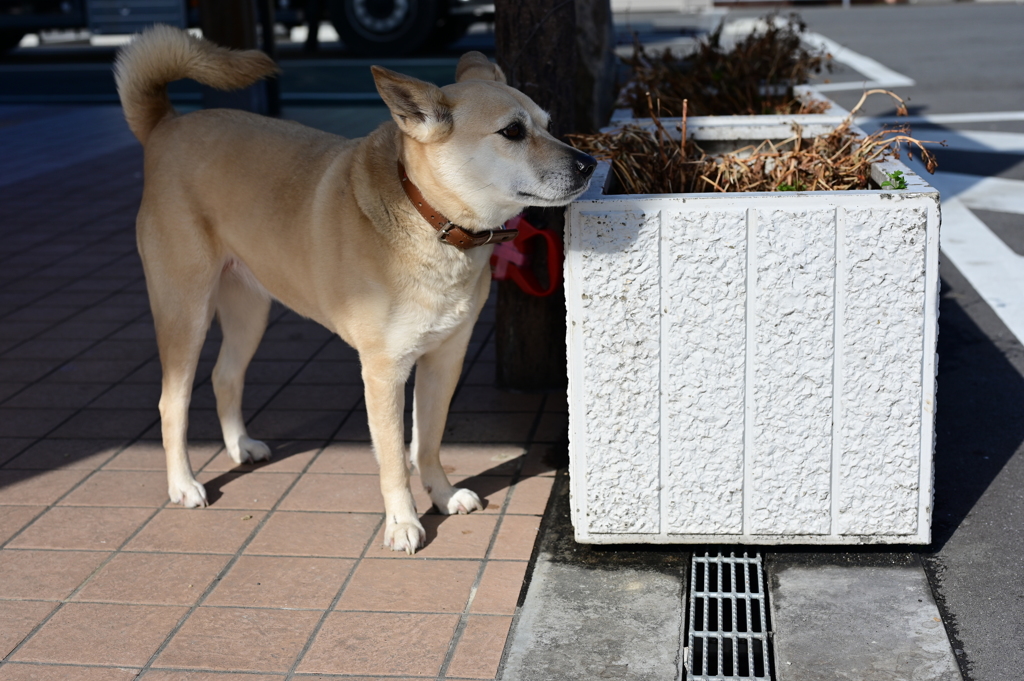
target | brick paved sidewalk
[{"x": 284, "y": 575}]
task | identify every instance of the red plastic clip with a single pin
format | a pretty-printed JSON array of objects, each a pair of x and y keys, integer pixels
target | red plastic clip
[{"x": 511, "y": 259}]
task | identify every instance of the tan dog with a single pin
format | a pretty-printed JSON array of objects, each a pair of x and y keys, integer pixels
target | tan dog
[{"x": 239, "y": 208}]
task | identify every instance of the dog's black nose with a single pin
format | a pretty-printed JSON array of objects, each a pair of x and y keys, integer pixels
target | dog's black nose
[{"x": 584, "y": 164}]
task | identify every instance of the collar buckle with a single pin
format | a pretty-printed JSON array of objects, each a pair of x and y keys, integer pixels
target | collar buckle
[{"x": 461, "y": 239}]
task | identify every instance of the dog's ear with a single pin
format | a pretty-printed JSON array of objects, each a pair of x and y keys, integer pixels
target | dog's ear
[
  {"x": 419, "y": 108},
  {"x": 475, "y": 66}
]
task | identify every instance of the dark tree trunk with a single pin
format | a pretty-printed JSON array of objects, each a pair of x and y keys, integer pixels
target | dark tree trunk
[
  {"x": 537, "y": 48},
  {"x": 314, "y": 8},
  {"x": 535, "y": 43},
  {"x": 268, "y": 43},
  {"x": 595, "y": 67},
  {"x": 233, "y": 23}
]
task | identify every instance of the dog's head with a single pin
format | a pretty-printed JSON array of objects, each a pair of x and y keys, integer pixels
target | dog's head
[{"x": 482, "y": 143}]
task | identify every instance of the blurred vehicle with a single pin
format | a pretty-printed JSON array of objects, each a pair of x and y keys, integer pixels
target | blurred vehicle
[
  {"x": 371, "y": 28},
  {"x": 19, "y": 17},
  {"x": 378, "y": 28}
]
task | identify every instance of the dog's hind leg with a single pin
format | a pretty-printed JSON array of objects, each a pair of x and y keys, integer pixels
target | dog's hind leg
[
  {"x": 181, "y": 289},
  {"x": 384, "y": 380},
  {"x": 437, "y": 374},
  {"x": 242, "y": 312}
]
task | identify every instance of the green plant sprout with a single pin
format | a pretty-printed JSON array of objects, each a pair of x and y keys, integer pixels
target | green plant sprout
[
  {"x": 896, "y": 180},
  {"x": 798, "y": 187}
]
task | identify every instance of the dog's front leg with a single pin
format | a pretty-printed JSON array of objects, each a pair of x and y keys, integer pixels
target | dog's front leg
[
  {"x": 437, "y": 374},
  {"x": 384, "y": 383}
]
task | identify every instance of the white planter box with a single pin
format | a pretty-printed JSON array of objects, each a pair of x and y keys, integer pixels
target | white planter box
[
  {"x": 833, "y": 115},
  {"x": 753, "y": 368}
]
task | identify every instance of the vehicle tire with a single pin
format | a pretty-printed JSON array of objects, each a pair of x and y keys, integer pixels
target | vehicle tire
[
  {"x": 449, "y": 31},
  {"x": 384, "y": 28},
  {"x": 9, "y": 39}
]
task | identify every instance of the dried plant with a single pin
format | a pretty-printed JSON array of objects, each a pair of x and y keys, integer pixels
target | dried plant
[
  {"x": 647, "y": 161},
  {"x": 756, "y": 76}
]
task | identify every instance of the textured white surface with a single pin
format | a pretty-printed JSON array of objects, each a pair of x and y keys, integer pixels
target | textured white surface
[
  {"x": 880, "y": 407},
  {"x": 622, "y": 415},
  {"x": 704, "y": 297},
  {"x": 753, "y": 368},
  {"x": 790, "y": 450}
]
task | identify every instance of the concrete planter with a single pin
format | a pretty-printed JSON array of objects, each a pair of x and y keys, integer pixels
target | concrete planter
[
  {"x": 833, "y": 116},
  {"x": 753, "y": 368}
]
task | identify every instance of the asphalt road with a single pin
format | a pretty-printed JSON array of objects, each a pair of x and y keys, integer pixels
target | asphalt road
[{"x": 964, "y": 57}]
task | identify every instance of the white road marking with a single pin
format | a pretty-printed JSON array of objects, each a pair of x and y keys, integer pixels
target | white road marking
[
  {"x": 948, "y": 119},
  {"x": 975, "y": 191},
  {"x": 994, "y": 270},
  {"x": 985, "y": 193},
  {"x": 978, "y": 140},
  {"x": 960, "y": 140},
  {"x": 875, "y": 73}
]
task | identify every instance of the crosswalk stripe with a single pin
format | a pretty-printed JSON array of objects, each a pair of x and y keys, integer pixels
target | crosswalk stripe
[
  {"x": 876, "y": 73},
  {"x": 985, "y": 193},
  {"x": 994, "y": 270}
]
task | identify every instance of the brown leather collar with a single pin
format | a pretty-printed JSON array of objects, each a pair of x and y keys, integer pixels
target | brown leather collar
[{"x": 447, "y": 231}]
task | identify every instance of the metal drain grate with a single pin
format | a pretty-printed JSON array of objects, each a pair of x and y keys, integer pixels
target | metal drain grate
[{"x": 727, "y": 627}]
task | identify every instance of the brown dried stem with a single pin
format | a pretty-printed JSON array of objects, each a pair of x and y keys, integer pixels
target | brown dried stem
[
  {"x": 646, "y": 162},
  {"x": 756, "y": 76}
]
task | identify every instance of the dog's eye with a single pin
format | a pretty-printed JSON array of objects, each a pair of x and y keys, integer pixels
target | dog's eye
[{"x": 512, "y": 132}]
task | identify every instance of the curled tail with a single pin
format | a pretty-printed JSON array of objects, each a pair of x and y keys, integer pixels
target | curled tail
[{"x": 163, "y": 54}]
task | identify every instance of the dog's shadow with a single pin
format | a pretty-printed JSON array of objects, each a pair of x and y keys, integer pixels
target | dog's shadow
[
  {"x": 485, "y": 483},
  {"x": 214, "y": 487}
]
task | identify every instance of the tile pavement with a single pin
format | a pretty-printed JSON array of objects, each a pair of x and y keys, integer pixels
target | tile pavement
[{"x": 284, "y": 575}]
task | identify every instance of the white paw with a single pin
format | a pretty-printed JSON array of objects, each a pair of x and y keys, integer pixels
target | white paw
[
  {"x": 404, "y": 536},
  {"x": 189, "y": 493},
  {"x": 249, "y": 450},
  {"x": 458, "y": 501}
]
